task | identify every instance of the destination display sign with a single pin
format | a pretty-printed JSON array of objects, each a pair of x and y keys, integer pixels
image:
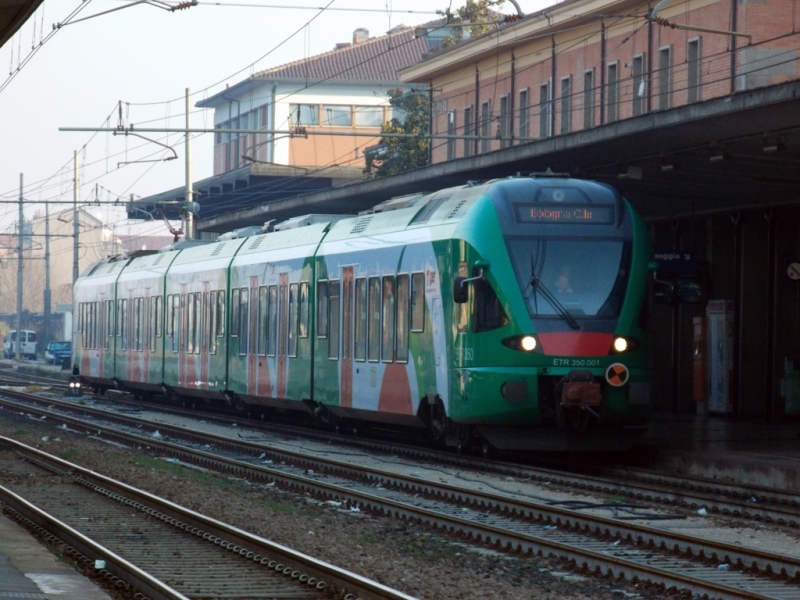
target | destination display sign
[{"x": 564, "y": 213}]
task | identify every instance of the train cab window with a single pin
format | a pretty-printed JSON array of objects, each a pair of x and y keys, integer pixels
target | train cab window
[
  {"x": 387, "y": 320},
  {"x": 243, "y": 321},
  {"x": 272, "y": 310},
  {"x": 221, "y": 313},
  {"x": 417, "y": 302},
  {"x": 235, "y": 313},
  {"x": 333, "y": 319},
  {"x": 262, "y": 320},
  {"x": 212, "y": 326},
  {"x": 462, "y": 310},
  {"x": 322, "y": 309},
  {"x": 487, "y": 312},
  {"x": 402, "y": 319},
  {"x": 293, "y": 318},
  {"x": 175, "y": 320},
  {"x": 374, "y": 320},
  {"x": 361, "y": 319},
  {"x": 303, "y": 331}
]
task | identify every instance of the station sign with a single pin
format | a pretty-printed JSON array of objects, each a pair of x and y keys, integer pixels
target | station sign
[
  {"x": 676, "y": 261},
  {"x": 793, "y": 271}
]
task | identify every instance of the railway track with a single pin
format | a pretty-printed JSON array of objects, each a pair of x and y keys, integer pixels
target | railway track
[
  {"x": 593, "y": 544},
  {"x": 152, "y": 548},
  {"x": 729, "y": 499}
]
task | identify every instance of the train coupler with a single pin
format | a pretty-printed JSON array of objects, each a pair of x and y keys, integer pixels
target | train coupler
[{"x": 580, "y": 389}]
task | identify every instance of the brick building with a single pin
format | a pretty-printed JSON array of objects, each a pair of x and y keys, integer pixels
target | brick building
[
  {"x": 341, "y": 91},
  {"x": 584, "y": 63}
]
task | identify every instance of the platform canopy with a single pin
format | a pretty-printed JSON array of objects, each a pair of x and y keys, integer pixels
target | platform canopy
[
  {"x": 13, "y": 13},
  {"x": 727, "y": 154}
]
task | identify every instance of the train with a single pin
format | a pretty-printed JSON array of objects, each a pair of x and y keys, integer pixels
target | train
[{"x": 502, "y": 315}]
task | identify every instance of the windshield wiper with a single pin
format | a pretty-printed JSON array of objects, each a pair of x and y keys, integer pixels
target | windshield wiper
[{"x": 538, "y": 286}]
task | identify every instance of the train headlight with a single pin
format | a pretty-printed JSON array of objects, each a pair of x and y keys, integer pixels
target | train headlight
[
  {"x": 523, "y": 343},
  {"x": 623, "y": 344}
]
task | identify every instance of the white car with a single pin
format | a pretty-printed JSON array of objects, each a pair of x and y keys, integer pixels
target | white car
[{"x": 28, "y": 349}]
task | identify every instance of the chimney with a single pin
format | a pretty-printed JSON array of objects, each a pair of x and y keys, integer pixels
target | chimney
[{"x": 360, "y": 35}]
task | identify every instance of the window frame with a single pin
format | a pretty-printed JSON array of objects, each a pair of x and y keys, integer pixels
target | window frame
[
  {"x": 235, "y": 300},
  {"x": 374, "y": 323},
  {"x": 388, "y": 308},
  {"x": 402, "y": 325},
  {"x": 524, "y": 114},
  {"x": 334, "y": 333},
  {"x": 360, "y": 319},
  {"x": 545, "y": 106},
  {"x": 588, "y": 98},
  {"x": 468, "y": 125},
  {"x": 294, "y": 320},
  {"x": 565, "y": 125},
  {"x": 305, "y": 310},
  {"x": 694, "y": 70},
  {"x": 415, "y": 276},
  {"x": 638, "y": 101},
  {"x": 665, "y": 78},
  {"x": 322, "y": 308},
  {"x": 612, "y": 85}
]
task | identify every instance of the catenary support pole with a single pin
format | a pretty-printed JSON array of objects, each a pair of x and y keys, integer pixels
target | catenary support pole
[
  {"x": 47, "y": 334},
  {"x": 19, "y": 272},
  {"x": 76, "y": 228},
  {"x": 189, "y": 206}
]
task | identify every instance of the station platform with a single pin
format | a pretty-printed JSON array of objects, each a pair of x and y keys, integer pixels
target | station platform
[
  {"x": 718, "y": 447},
  {"x": 29, "y": 570}
]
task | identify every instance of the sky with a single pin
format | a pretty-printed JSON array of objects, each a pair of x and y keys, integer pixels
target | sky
[{"x": 146, "y": 57}]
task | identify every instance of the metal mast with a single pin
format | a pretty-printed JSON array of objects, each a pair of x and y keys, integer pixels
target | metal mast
[
  {"x": 19, "y": 274},
  {"x": 189, "y": 191},
  {"x": 75, "y": 223}
]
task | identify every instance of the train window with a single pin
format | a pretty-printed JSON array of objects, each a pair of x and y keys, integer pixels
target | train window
[
  {"x": 159, "y": 317},
  {"x": 212, "y": 312},
  {"x": 487, "y": 312},
  {"x": 347, "y": 314},
  {"x": 417, "y": 302},
  {"x": 374, "y": 318},
  {"x": 185, "y": 324},
  {"x": 462, "y": 312},
  {"x": 198, "y": 315},
  {"x": 293, "y": 318},
  {"x": 282, "y": 317},
  {"x": 361, "y": 319},
  {"x": 124, "y": 320},
  {"x": 205, "y": 328},
  {"x": 190, "y": 324},
  {"x": 170, "y": 317},
  {"x": 387, "y": 320},
  {"x": 333, "y": 319},
  {"x": 109, "y": 321},
  {"x": 272, "y": 342},
  {"x": 221, "y": 313},
  {"x": 175, "y": 322},
  {"x": 303, "y": 330},
  {"x": 402, "y": 318},
  {"x": 242, "y": 321},
  {"x": 262, "y": 320},
  {"x": 137, "y": 324},
  {"x": 152, "y": 329},
  {"x": 80, "y": 318},
  {"x": 119, "y": 318},
  {"x": 322, "y": 309},
  {"x": 253, "y": 329},
  {"x": 235, "y": 313}
]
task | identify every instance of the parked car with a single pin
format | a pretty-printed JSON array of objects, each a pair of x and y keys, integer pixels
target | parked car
[
  {"x": 57, "y": 351},
  {"x": 28, "y": 346}
]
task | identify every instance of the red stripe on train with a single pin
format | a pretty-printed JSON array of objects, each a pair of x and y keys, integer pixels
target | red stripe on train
[{"x": 576, "y": 344}]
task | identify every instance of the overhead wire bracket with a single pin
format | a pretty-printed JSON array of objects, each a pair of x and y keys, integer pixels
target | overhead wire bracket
[{"x": 157, "y": 3}]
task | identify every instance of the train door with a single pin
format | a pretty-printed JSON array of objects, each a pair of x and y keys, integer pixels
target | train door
[
  {"x": 283, "y": 330},
  {"x": 346, "y": 377}
]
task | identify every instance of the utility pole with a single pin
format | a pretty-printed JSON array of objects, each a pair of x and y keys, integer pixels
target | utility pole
[
  {"x": 46, "y": 273},
  {"x": 189, "y": 192},
  {"x": 75, "y": 224},
  {"x": 19, "y": 275}
]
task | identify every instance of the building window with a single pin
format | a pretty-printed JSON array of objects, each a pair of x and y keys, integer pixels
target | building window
[
  {"x": 504, "y": 123},
  {"x": 613, "y": 92},
  {"x": 524, "y": 114},
  {"x": 588, "y": 99},
  {"x": 336, "y": 116},
  {"x": 566, "y": 105},
  {"x": 693, "y": 56},
  {"x": 369, "y": 116},
  {"x": 303, "y": 114},
  {"x": 468, "y": 131},
  {"x": 486, "y": 119},
  {"x": 637, "y": 74},
  {"x": 451, "y": 132},
  {"x": 544, "y": 110},
  {"x": 664, "y": 77}
]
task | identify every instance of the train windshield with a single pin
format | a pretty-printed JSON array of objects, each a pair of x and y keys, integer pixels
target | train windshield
[{"x": 571, "y": 279}]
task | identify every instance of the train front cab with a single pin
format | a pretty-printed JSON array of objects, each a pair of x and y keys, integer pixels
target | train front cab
[{"x": 552, "y": 276}]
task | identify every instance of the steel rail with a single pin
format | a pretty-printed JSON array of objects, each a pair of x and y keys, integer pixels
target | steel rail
[
  {"x": 649, "y": 538},
  {"x": 237, "y": 540}
]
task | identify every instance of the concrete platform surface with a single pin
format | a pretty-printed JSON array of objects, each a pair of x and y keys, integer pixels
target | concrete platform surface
[
  {"x": 29, "y": 570},
  {"x": 718, "y": 447}
]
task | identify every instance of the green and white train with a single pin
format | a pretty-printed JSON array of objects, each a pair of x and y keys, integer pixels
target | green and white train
[{"x": 505, "y": 314}]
